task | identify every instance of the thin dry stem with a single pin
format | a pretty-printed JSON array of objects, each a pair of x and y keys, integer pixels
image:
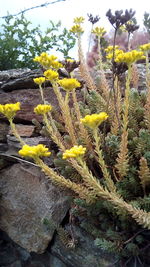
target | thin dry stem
[
  {"x": 109, "y": 182},
  {"x": 54, "y": 134},
  {"x": 62, "y": 182},
  {"x": 83, "y": 132},
  {"x": 63, "y": 103},
  {"x": 142, "y": 217},
  {"x": 144, "y": 173},
  {"x": 115, "y": 123},
  {"x": 123, "y": 160},
  {"x": 15, "y": 133},
  {"x": 134, "y": 76},
  {"x": 83, "y": 68}
]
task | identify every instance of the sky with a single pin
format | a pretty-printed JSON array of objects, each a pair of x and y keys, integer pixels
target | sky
[{"x": 67, "y": 10}]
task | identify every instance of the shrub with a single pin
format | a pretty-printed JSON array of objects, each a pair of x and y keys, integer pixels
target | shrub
[{"x": 20, "y": 42}]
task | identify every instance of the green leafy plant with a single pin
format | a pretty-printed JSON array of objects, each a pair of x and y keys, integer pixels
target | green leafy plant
[{"x": 20, "y": 42}]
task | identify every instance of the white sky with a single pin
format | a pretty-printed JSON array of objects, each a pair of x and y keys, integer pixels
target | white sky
[{"x": 67, "y": 10}]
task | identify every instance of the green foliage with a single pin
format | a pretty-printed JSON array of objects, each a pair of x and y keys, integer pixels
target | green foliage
[
  {"x": 20, "y": 42},
  {"x": 106, "y": 245}
]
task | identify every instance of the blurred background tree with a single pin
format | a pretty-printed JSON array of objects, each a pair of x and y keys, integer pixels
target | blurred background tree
[
  {"x": 146, "y": 21},
  {"x": 20, "y": 42}
]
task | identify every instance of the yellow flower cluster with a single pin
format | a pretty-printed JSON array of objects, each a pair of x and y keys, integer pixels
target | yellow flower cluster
[
  {"x": 94, "y": 120},
  {"x": 109, "y": 49},
  {"x": 9, "y": 110},
  {"x": 51, "y": 75},
  {"x": 117, "y": 52},
  {"x": 145, "y": 47},
  {"x": 76, "y": 29},
  {"x": 130, "y": 57},
  {"x": 69, "y": 84},
  {"x": 34, "y": 151},
  {"x": 48, "y": 61},
  {"x": 99, "y": 31},
  {"x": 39, "y": 80},
  {"x": 74, "y": 152},
  {"x": 56, "y": 65},
  {"x": 78, "y": 20},
  {"x": 42, "y": 109}
]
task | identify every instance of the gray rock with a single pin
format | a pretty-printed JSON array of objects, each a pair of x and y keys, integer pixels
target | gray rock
[
  {"x": 22, "y": 78},
  {"x": 4, "y": 129},
  {"x": 142, "y": 81},
  {"x": 18, "y": 79},
  {"x": 29, "y": 99},
  {"x": 27, "y": 197},
  {"x": 85, "y": 254},
  {"x": 55, "y": 262}
]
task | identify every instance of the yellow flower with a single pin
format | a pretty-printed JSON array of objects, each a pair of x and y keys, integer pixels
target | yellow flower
[
  {"x": 99, "y": 31},
  {"x": 47, "y": 60},
  {"x": 78, "y": 20},
  {"x": 51, "y": 75},
  {"x": 77, "y": 29},
  {"x": 94, "y": 120},
  {"x": 56, "y": 65},
  {"x": 34, "y": 151},
  {"x": 69, "y": 84},
  {"x": 44, "y": 56},
  {"x": 130, "y": 57},
  {"x": 145, "y": 47},
  {"x": 39, "y": 80},
  {"x": 74, "y": 152},
  {"x": 42, "y": 109},
  {"x": 110, "y": 48},
  {"x": 117, "y": 52},
  {"x": 9, "y": 110}
]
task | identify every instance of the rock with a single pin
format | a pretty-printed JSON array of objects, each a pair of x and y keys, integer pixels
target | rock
[
  {"x": 14, "y": 144},
  {"x": 14, "y": 264},
  {"x": 141, "y": 72},
  {"x": 24, "y": 130},
  {"x": 27, "y": 197},
  {"x": 7, "y": 253},
  {"x": 18, "y": 79},
  {"x": 4, "y": 129},
  {"x": 9, "y": 153},
  {"x": 22, "y": 78},
  {"x": 4, "y": 162},
  {"x": 84, "y": 254},
  {"x": 12, "y": 255},
  {"x": 29, "y": 99}
]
